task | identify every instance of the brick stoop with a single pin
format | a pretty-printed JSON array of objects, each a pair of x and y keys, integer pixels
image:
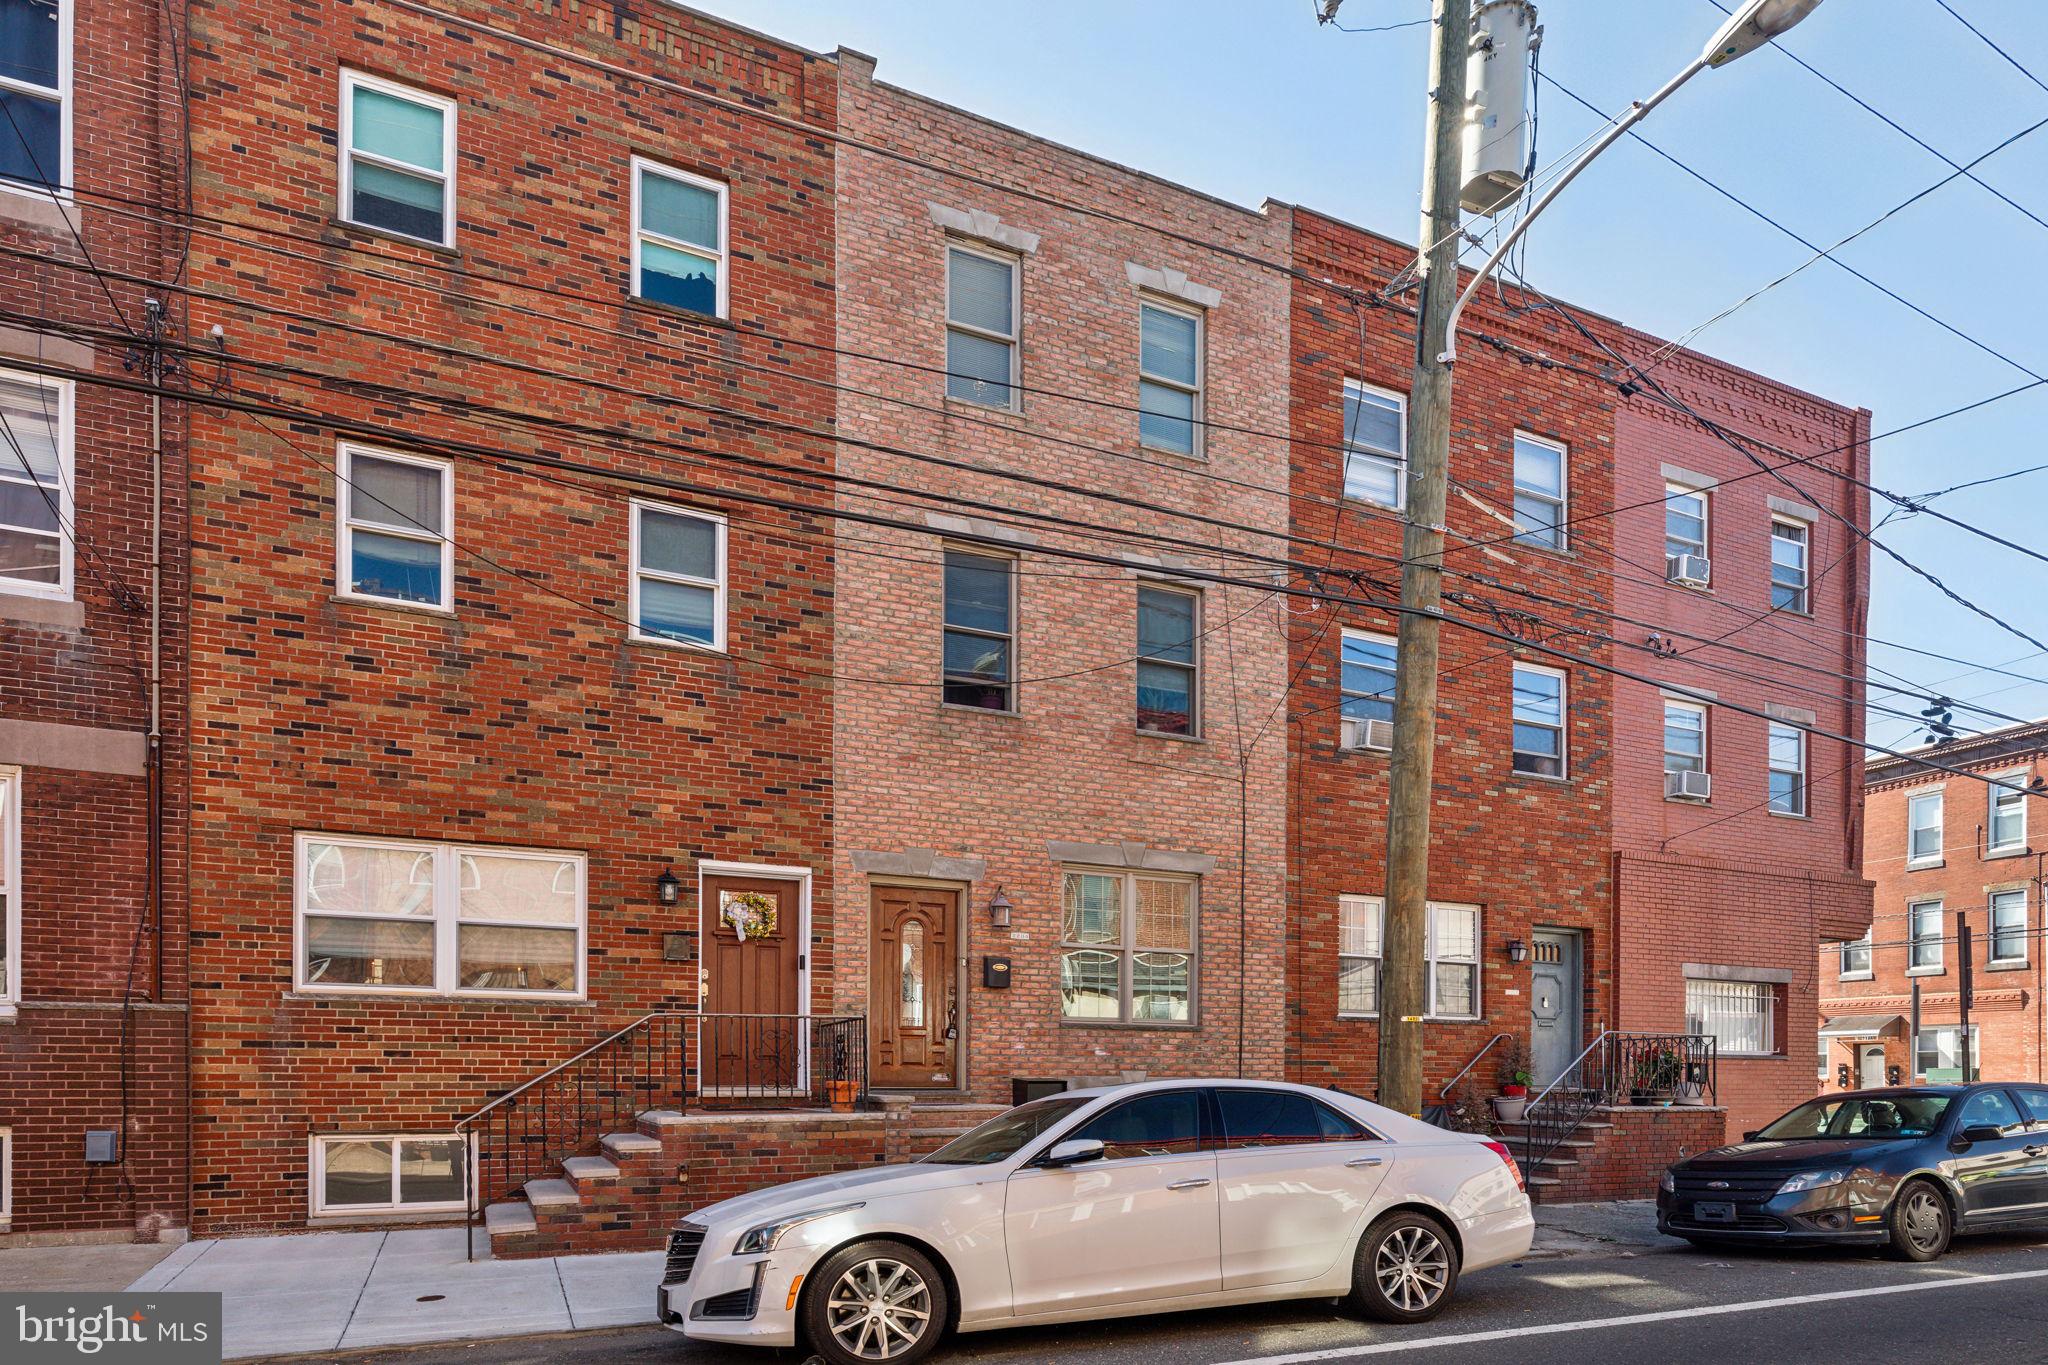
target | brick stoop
[
  {"x": 627, "y": 1194},
  {"x": 1618, "y": 1153}
]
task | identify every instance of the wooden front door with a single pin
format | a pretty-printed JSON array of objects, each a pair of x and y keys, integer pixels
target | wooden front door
[
  {"x": 750, "y": 1040},
  {"x": 913, "y": 1028}
]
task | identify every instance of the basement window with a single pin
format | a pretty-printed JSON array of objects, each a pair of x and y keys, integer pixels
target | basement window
[{"x": 387, "y": 1173}]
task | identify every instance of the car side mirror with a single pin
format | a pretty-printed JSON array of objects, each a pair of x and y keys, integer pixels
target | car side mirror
[
  {"x": 1981, "y": 1132},
  {"x": 1751, "y": 1135},
  {"x": 1072, "y": 1152}
]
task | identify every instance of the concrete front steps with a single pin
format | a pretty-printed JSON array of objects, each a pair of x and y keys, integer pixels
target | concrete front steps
[
  {"x": 1617, "y": 1153},
  {"x": 625, "y": 1195}
]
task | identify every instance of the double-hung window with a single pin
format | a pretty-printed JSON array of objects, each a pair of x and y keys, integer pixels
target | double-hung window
[
  {"x": 1169, "y": 378},
  {"x": 1375, "y": 444},
  {"x": 387, "y": 1173},
  {"x": 1539, "y": 492},
  {"x": 1450, "y": 948},
  {"x": 397, "y": 523},
  {"x": 35, "y": 93},
  {"x": 397, "y": 159},
  {"x": 1685, "y": 521},
  {"x": 2008, "y": 927},
  {"x": 679, "y": 236},
  {"x": 1923, "y": 829},
  {"x": 1787, "y": 759},
  {"x": 35, "y": 485},
  {"x": 1938, "y": 1054},
  {"x": 1539, "y": 710},
  {"x": 1855, "y": 963},
  {"x": 1169, "y": 677},
  {"x": 980, "y": 632},
  {"x": 1685, "y": 737},
  {"x": 10, "y": 889},
  {"x": 1789, "y": 543},
  {"x": 438, "y": 919},
  {"x": 678, "y": 576},
  {"x": 1366, "y": 690},
  {"x": 2008, "y": 827},
  {"x": 1923, "y": 937},
  {"x": 1737, "y": 1015},
  {"x": 1127, "y": 947},
  {"x": 981, "y": 327}
]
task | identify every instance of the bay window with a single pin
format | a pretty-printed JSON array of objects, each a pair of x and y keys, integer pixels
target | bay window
[{"x": 1127, "y": 947}]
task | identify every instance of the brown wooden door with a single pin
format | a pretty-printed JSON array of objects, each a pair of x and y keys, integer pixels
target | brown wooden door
[
  {"x": 913, "y": 1019},
  {"x": 751, "y": 1040}
]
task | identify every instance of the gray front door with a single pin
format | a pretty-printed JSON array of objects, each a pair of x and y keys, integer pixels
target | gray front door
[{"x": 1556, "y": 1002}]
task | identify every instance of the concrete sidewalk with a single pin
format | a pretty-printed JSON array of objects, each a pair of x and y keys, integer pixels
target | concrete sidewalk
[{"x": 325, "y": 1291}]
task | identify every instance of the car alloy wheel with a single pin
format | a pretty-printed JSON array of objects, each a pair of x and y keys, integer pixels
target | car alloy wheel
[
  {"x": 879, "y": 1309},
  {"x": 1413, "y": 1268}
]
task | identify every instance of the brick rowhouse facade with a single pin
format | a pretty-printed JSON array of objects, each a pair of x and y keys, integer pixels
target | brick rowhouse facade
[
  {"x": 1062, "y": 793},
  {"x": 1968, "y": 864},
  {"x": 523, "y": 716},
  {"x": 92, "y": 990}
]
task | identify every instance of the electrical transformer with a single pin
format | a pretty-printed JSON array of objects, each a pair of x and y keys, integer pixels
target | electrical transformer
[{"x": 1497, "y": 130}]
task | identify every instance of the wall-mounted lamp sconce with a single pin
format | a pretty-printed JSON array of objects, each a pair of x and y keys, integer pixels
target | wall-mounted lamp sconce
[
  {"x": 1518, "y": 951},
  {"x": 668, "y": 888},
  {"x": 999, "y": 910}
]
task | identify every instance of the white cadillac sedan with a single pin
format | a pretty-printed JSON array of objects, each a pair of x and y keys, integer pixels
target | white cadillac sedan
[{"x": 1104, "y": 1203}]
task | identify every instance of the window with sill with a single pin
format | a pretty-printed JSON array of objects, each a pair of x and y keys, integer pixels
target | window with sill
[
  {"x": 1855, "y": 960},
  {"x": 10, "y": 887},
  {"x": 1787, "y": 764},
  {"x": 1685, "y": 521},
  {"x": 1375, "y": 444},
  {"x": 35, "y": 93},
  {"x": 1367, "y": 672},
  {"x": 1923, "y": 936},
  {"x": 2008, "y": 927},
  {"x": 679, "y": 239},
  {"x": 678, "y": 590},
  {"x": 1738, "y": 1015},
  {"x": 1539, "y": 711},
  {"x": 1169, "y": 677},
  {"x": 979, "y": 667},
  {"x": 981, "y": 327},
  {"x": 397, "y": 527},
  {"x": 1127, "y": 947},
  {"x": 388, "y": 1173},
  {"x": 1685, "y": 737},
  {"x": 1938, "y": 1054},
  {"x": 1450, "y": 953},
  {"x": 401, "y": 916},
  {"x": 1169, "y": 378},
  {"x": 1539, "y": 492},
  {"x": 36, "y": 422},
  {"x": 1923, "y": 828},
  {"x": 397, "y": 159},
  {"x": 1789, "y": 540},
  {"x": 2007, "y": 832}
]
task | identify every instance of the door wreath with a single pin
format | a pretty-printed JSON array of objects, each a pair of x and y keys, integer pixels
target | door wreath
[{"x": 749, "y": 914}]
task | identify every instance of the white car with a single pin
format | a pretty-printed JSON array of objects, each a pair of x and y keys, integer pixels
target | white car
[{"x": 1104, "y": 1203}]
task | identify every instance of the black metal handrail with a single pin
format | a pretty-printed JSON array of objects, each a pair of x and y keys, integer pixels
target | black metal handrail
[
  {"x": 1453, "y": 1108},
  {"x": 1614, "y": 1067},
  {"x": 669, "y": 1059}
]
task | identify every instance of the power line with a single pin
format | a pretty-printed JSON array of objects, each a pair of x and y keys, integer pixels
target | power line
[{"x": 2010, "y": 59}]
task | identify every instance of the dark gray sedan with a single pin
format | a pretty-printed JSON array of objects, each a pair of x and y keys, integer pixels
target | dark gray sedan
[{"x": 1901, "y": 1169}]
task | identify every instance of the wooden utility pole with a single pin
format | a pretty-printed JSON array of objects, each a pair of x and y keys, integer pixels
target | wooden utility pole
[{"x": 1404, "y": 990}]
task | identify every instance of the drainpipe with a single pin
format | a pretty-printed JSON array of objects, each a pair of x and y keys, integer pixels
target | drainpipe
[{"x": 154, "y": 313}]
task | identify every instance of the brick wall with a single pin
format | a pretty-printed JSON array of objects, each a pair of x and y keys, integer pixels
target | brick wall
[
  {"x": 525, "y": 717},
  {"x": 1627, "y": 1159}
]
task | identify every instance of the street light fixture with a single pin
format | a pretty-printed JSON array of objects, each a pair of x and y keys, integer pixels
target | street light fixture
[{"x": 1749, "y": 28}]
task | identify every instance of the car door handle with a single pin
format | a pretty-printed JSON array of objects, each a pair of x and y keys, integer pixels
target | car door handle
[
  {"x": 1187, "y": 1184},
  {"x": 2036, "y": 1150},
  {"x": 1365, "y": 1161}
]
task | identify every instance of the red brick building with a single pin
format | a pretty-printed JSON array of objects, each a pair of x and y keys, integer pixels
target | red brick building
[
  {"x": 1943, "y": 851},
  {"x": 510, "y": 596},
  {"x": 92, "y": 731}
]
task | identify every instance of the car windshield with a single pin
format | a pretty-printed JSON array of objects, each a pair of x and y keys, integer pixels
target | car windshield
[
  {"x": 1867, "y": 1116},
  {"x": 1003, "y": 1136}
]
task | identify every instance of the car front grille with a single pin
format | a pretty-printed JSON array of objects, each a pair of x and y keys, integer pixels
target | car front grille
[
  {"x": 1744, "y": 1222},
  {"x": 683, "y": 1245},
  {"x": 1744, "y": 1189}
]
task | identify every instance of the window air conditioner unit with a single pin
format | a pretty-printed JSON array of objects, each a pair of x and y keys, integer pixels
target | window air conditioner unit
[
  {"x": 1368, "y": 734},
  {"x": 1690, "y": 570},
  {"x": 1688, "y": 786}
]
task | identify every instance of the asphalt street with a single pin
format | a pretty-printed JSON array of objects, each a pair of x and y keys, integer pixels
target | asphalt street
[{"x": 1640, "y": 1303}]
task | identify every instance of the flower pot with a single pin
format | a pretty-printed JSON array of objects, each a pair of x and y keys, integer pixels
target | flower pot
[
  {"x": 1510, "y": 1108},
  {"x": 843, "y": 1095}
]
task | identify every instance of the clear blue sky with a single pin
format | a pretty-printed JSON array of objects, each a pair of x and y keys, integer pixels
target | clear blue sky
[{"x": 1250, "y": 99}]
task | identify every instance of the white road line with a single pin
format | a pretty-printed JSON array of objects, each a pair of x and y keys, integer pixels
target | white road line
[{"x": 1631, "y": 1320}]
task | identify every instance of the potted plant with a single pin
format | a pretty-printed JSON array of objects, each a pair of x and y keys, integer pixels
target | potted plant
[
  {"x": 1692, "y": 1089},
  {"x": 1513, "y": 1101},
  {"x": 1656, "y": 1077}
]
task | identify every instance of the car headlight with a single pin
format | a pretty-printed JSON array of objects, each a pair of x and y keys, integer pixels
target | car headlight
[
  {"x": 1812, "y": 1180},
  {"x": 1668, "y": 1183},
  {"x": 765, "y": 1237}
]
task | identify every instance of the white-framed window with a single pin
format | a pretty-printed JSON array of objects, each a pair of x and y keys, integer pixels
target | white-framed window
[
  {"x": 403, "y": 916},
  {"x": 397, "y": 159},
  {"x": 1923, "y": 937},
  {"x": 1375, "y": 444},
  {"x": 388, "y": 1173},
  {"x": 1685, "y": 520},
  {"x": 1938, "y": 1054},
  {"x": 2006, "y": 832},
  {"x": 982, "y": 307},
  {"x": 1539, "y": 711},
  {"x": 1169, "y": 378},
  {"x": 680, "y": 226},
  {"x": 2008, "y": 926},
  {"x": 35, "y": 88},
  {"x": 1169, "y": 663},
  {"x": 979, "y": 667},
  {"x": 1127, "y": 947},
  {"x": 1790, "y": 541},
  {"x": 37, "y": 425},
  {"x": 1923, "y": 828},
  {"x": 1685, "y": 736},
  {"x": 1787, "y": 763},
  {"x": 397, "y": 527},
  {"x": 678, "y": 593},
  {"x": 1365, "y": 688},
  {"x": 1740, "y": 1016},
  {"x": 1539, "y": 492},
  {"x": 1450, "y": 948},
  {"x": 10, "y": 889},
  {"x": 1855, "y": 963}
]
